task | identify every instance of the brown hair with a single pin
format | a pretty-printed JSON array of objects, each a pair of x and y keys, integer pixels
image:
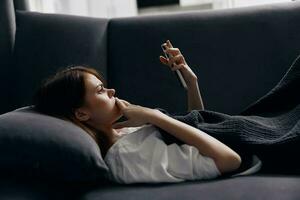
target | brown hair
[{"x": 61, "y": 94}]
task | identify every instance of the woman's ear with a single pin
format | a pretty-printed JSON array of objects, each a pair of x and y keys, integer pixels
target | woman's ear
[{"x": 81, "y": 114}]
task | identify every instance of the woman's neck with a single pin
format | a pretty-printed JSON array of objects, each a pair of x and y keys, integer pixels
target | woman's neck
[
  {"x": 106, "y": 140},
  {"x": 107, "y": 135}
]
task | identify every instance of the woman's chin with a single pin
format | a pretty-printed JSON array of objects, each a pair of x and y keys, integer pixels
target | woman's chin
[
  {"x": 118, "y": 116},
  {"x": 117, "y": 113}
]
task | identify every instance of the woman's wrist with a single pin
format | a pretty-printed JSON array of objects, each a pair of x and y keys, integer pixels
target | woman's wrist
[
  {"x": 194, "y": 98},
  {"x": 192, "y": 83},
  {"x": 153, "y": 115}
]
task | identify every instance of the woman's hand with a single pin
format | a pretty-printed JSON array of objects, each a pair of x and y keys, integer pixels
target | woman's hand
[
  {"x": 136, "y": 115},
  {"x": 177, "y": 61}
]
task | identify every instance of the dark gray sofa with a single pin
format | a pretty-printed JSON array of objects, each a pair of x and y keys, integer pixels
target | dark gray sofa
[{"x": 237, "y": 54}]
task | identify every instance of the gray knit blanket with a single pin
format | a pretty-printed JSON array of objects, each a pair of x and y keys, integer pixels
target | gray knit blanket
[{"x": 268, "y": 127}]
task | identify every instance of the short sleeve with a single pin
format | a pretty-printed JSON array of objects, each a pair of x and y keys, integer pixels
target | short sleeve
[{"x": 186, "y": 162}]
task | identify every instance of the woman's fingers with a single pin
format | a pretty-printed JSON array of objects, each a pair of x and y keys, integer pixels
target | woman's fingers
[
  {"x": 169, "y": 44},
  {"x": 173, "y": 51},
  {"x": 123, "y": 101},
  {"x": 176, "y": 60},
  {"x": 163, "y": 60},
  {"x": 120, "y": 104},
  {"x": 126, "y": 102},
  {"x": 173, "y": 61}
]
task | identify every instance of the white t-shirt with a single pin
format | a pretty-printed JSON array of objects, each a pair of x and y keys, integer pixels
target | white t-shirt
[{"x": 140, "y": 155}]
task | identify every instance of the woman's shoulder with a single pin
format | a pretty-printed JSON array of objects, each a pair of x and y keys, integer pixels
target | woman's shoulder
[
  {"x": 130, "y": 136},
  {"x": 120, "y": 134}
]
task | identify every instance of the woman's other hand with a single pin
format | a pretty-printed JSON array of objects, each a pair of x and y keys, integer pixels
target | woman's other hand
[
  {"x": 136, "y": 115},
  {"x": 177, "y": 61}
]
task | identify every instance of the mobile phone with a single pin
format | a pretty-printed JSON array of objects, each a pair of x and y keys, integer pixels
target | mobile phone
[{"x": 177, "y": 72}]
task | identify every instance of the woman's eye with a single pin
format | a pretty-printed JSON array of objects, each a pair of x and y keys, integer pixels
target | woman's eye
[{"x": 100, "y": 91}]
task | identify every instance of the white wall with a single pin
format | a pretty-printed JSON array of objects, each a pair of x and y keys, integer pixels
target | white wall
[
  {"x": 93, "y": 8},
  {"x": 124, "y": 8},
  {"x": 241, "y": 3},
  {"x": 229, "y": 3}
]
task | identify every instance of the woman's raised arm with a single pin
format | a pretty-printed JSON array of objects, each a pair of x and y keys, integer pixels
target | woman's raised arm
[
  {"x": 176, "y": 61},
  {"x": 194, "y": 97}
]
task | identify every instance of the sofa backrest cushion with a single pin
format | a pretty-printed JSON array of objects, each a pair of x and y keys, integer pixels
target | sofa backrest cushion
[
  {"x": 46, "y": 43},
  {"x": 43, "y": 147},
  {"x": 238, "y": 55}
]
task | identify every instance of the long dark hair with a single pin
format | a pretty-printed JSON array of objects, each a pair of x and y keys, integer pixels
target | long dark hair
[{"x": 61, "y": 94}]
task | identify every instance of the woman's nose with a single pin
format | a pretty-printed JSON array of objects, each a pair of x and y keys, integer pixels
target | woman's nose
[{"x": 111, "y": 92}]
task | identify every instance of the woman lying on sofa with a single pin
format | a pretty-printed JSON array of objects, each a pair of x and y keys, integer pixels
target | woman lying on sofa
[{"x": 133, "y": 149}]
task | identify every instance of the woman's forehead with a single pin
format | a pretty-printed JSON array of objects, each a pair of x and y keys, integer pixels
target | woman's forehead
[
  {"x": 92, "y": 80},
  {"x": 92, "y": 83}
]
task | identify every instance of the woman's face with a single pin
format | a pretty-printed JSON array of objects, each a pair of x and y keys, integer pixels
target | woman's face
[{"x": 100, "y": 104}]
